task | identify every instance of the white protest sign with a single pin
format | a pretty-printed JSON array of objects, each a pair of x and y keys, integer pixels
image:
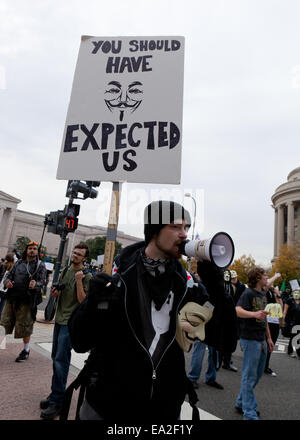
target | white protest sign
[
  {"x": 100, "y": 259},
  {"x": 49, "y": 266},
  {"x": 294, "y": 284},
  {"x": 124, "y": 121}
]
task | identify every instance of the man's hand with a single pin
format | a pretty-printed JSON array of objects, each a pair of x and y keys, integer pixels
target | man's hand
[
  {"x": 271, "y": 345},
  {"x": 32, "y": 284},
  {"x": 261, "y": 314},
  {"x": 101, "y": 290},
  {"x": 79, "y": 276},
  {"x": 282, "y": 321},
  {"x": 54, "y": 292},
  {"x": 242, "y": 313},
  {"x": 9, "y": 285},
  {"x": 277, "y": 291}
]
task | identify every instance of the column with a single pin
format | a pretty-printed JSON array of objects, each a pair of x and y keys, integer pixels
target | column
[
  {"x": 290, "y": 223},
  {"x": 1, "y": 214},
  {"x": 9, "y": 226},
  {"x": 280, "y": 230},
  {"x": 275, "y": 231},
  {"x": 2, "y": 209}
]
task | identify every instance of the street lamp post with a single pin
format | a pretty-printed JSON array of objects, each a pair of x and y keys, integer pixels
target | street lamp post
[
  {"x": 189, "y": 260},
  {"x": 189, "y": 195}
]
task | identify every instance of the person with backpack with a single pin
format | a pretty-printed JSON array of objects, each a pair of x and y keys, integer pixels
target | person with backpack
[
  {"x": 71, "y": 291},
  {"x": 138, "y": 323},
  {"x": 23, "y": 283}
]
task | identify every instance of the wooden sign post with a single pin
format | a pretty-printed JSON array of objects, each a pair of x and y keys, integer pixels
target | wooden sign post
[{"x": 112, "y": 228}]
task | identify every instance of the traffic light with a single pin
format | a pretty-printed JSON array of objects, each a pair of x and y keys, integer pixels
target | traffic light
[
  {"x": 55, "y": 221},
  {"x": 76, "y": 186},
  {"x": 71, "y": 213}
]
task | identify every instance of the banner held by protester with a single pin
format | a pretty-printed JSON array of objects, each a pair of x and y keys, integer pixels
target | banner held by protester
[{"x": 124, "y": 121}]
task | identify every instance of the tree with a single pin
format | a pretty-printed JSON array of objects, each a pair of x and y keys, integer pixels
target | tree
[
  {"x": 288, "y": 264},
  {"x": 242, "y": 266},
  {"x": 184, "y": 263},
  {"x": 97, "y": 247},
  {"x": 43, "y": 252},
  {"x": 21, "y": 244}
]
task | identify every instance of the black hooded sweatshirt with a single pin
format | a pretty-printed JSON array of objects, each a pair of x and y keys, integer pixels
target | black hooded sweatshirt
[{"x": 125, "y": 383}]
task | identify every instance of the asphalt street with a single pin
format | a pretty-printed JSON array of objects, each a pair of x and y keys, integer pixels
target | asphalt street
[{"x": 277, "y": 397}]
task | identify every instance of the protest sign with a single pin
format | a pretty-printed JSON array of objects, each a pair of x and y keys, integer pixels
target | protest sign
[
  {"x": 294, "y": 285},
  {"x": 124, "y": 121},
  {"x": 49, "y": 266}
]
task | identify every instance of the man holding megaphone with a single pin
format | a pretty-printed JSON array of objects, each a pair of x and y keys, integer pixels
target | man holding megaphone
[{"x": 139, "y": 322}]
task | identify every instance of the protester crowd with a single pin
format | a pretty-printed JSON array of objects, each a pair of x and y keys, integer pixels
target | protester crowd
[{"x": 162, "y": 311}]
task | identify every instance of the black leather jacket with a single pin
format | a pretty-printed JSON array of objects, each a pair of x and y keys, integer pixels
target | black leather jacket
[{"x": 21, "y": 274}]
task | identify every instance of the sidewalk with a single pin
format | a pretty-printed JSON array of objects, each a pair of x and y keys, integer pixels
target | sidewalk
[{"x": 24, "y": 384}]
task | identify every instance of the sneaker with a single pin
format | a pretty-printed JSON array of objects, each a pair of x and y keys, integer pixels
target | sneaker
[
  {"x": 240, "y": 411},
  {"x": 230, "y": 367},
  {"x": 270, "y": 371},
  {"x": 293, "y": 355},
  {"x": 51, "y": 412},
  {"x": 215, "y": 384},
  {"x": 45, "y": 403},
  {"x": 23, "y": 356}
]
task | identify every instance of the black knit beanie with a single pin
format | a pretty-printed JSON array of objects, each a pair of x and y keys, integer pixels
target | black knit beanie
[{"x": 161, "y": 213}]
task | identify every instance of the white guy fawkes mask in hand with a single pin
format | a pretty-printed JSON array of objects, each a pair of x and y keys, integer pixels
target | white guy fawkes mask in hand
[{"x": 191, "y": 321}]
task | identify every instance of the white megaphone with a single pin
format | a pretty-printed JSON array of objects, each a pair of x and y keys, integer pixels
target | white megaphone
[{"x": 219, "y": 249}]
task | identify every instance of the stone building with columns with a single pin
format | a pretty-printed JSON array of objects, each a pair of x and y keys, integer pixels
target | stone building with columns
[
  {"x": 286, "y": 204},
  {"x": 15, "y": 223}
]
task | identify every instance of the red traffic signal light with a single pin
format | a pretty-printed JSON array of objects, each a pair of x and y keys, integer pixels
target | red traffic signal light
[{"x": 71, "y": 223}]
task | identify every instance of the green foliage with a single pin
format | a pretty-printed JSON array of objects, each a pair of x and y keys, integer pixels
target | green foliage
[
  {"x": 184, "y": 263},
  {"x": 97, "y": 247},
  {"x": 21, "y": 243},
  {"x": 242, "y": 266},
  {"x": 43, "y": 252},
  {"x": 288, "y": 264}
]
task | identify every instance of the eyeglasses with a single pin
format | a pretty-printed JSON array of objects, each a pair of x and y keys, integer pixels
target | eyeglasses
[
  {"x": 32, "y": 243},
  {"x": 78, "y": 255}
]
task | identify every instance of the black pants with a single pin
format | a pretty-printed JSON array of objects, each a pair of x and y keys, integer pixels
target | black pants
[
  {"x": 226, "y": 358},
  {"x": 3, "y": 296},
  {"x": 274, "y": 330}
]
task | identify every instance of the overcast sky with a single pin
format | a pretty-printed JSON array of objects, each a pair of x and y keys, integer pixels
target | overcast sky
[{"x": 241, "y": 105}]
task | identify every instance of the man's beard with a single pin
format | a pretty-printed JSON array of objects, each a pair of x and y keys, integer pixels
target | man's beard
[
  {"x": 31, "y": 255},
  {"x": 172, "y": 253}
]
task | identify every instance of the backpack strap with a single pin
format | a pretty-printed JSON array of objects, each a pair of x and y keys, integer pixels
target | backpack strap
[
  {"x": 64, "y": 271},
  {"x": 80, "y": 381}
]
